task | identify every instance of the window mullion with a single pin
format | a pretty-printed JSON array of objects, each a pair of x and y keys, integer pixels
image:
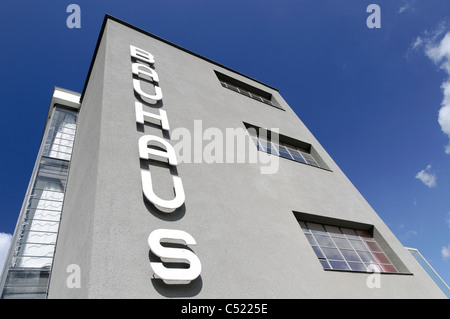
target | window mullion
[{"x": 339, "y": 250}]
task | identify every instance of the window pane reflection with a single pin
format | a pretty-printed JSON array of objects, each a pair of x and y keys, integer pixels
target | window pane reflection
[{"x": 346, "y": 249}]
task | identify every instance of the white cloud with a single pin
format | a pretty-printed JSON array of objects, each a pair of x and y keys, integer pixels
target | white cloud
[
  {"x": 437, "y": 49},
  {"x": 410, "y": 234},
  {"x": 407, "y": 5},
  {"x": 440, "y": 55},
  {"x": 417, "y": 43},
  {"x": 403, "y": 8},
  {"x": 439, "y": 52},
  {"x": 444, "y": 112},
  {"x": 445, "y": 252},
  {"x": 427, "y": 177},
  {"x": 5, "y": 242}
]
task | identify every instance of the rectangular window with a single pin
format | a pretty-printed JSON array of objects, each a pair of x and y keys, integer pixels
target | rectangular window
[
  {"x": 299, "y": 153},
  {"x": 61, "y": 135},
  {"x": 342, "y": 248},
  {"x": 247, "y": 90}
]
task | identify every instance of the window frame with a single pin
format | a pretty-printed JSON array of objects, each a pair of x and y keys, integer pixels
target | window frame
[
  {"x": 366, "y": 229},
  {"x": 247, "y": 90},
  {"x": 334, "y": 256},
  {"x": 303, "y": 151}
]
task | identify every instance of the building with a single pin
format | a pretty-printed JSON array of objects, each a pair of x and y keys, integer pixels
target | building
[
  {"x": 171, "y": 175},
  {"x": 430, "y": 271}
]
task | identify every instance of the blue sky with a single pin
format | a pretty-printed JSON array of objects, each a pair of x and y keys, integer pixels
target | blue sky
[{"x": 372, "y": 97}]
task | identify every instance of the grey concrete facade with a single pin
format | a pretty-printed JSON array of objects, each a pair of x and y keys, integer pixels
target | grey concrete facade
[{"x": 244, "y": 222}]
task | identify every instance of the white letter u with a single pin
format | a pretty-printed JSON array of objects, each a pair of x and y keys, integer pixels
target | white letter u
[{"x": 166, "y": 206}]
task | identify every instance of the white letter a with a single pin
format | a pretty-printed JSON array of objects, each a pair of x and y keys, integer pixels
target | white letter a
[
  {"x": 74, "y": 20},
  {"x": 374, "y": 20}
]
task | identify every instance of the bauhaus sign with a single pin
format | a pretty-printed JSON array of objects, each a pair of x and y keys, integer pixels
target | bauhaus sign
[{"x": 146, "y": 114}]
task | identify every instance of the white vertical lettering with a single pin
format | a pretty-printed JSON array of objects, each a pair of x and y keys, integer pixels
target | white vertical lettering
[
  {"x": 136, "y": 68},
  {"x": 166, "y": 206},
  {"x": 156, "y": 148},
  {"x": 137, "y": 87},
  {"x": 145, "y": 151},
  {"x": 177, "y": 255},
  {"x": 141, "y": 55},
  {"x": 141, "y": 116}
]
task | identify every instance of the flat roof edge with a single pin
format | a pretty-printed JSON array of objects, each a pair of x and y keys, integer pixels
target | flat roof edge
[
  {"x": 65, "y": 97},
  {"x": 109, "y": 17}
]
